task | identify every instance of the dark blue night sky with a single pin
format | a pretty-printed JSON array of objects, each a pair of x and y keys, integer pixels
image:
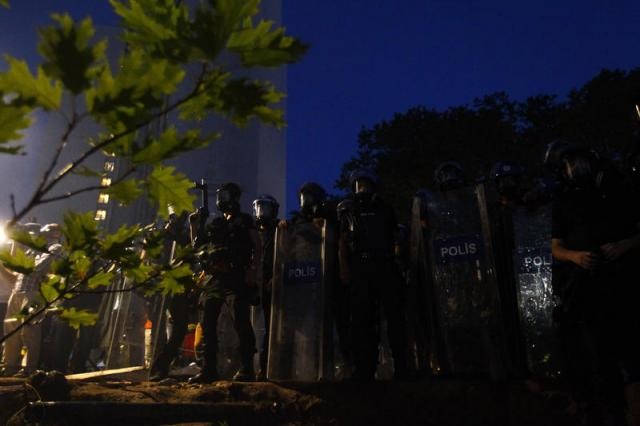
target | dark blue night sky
[{"x": 371, "y": 58}]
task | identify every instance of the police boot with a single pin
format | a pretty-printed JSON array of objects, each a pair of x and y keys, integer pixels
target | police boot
[
  {"x": 203, "y": 377},
  {"x": 158, "y": 375},
  {"x": 245, "y": 373}
]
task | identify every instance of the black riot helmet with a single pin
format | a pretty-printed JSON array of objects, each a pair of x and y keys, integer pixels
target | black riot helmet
[
  {"x": 580, "y": 168},
  {"x": 507, "y": 177},
  {"x": 311, "y": 196},
  {"x": 448, "y": 175},
  {"x": 363, "y": 181},
  {"x": 554, "y": 155},
  {"x": 265, "y": 208},
  {"x": 228, "y": 197}
]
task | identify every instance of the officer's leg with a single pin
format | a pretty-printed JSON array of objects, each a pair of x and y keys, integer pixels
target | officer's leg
[
  {"x": 341, "y": 316},
  {"x": 365, "y": 320},
  {"x": 264, "y": 354},
  {"x": 246, "y": 336},
  {"x": 392, "y": 303},
  {"x": 212, "y": 308},
  {"x": 178, "y": 308},
  {"x": 32, "y": 337}
]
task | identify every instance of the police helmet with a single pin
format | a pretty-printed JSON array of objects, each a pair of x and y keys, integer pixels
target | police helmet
[
  {"x": 311, "y": 196},
  {"x": 227, "y": 195},
  {"x": 265, "y": 207},
  {"x": 448, "y": 173},
  {"x": 362, "y": 174},
  {"x": 554, "y": 154},
  {"x": 580, "y": 166},
  {"x": 314, "y": 189},
  {"x": 502, "y": 169}
]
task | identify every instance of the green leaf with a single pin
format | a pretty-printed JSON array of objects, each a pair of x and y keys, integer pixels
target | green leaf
[
  {"x": 80, "y": 230},
  {"x": 77, "y": 318},
  {"x": 18, "y": 262},
  {"x": 4, "y": 3},
  {"x": 30, "y": 90},
  {"x": 260, "y": 46},
  {"x": 155, "y": 25},
  {"x": 49, "y": 288},
  {"x": 165, "y": 186},
  {"x": 139, "y": 274},
  {"x": 115, "y": 245},
  {"x": 68, "y": 55},
  {"x": 122, "y": 101},
  {"x": 242, "y": 99},
  {"x": 61, "y": 267},
  {"x": 23, "y": 237},
  {"x": 212, "y": 26},
  {"x": 101, "y": 279},
  {"x": 80, "y": 264},
  {"x": 174, "y": 280},
  {"x": 126, "y": 191},
  {"x": 169, "y": 144},
  {"x": 13, "y": 119},
  {"x": 238, "y": 99}
]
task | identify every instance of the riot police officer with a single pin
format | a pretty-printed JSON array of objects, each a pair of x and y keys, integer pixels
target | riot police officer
[
  {"x": 234, "y": 254},
  {"x": 265, "y": 212},
  {"x": 506, "y": 177},
  {"x": 367, "y": 246},
  {"x": 314, "y": 205},
  {"x": 595, "y": 235}
]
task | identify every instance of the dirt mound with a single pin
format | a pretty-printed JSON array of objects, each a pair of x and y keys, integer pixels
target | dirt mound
[{"x": 433, "y": 402}]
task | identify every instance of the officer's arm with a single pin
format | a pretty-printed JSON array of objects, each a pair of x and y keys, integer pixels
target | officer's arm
[
  {"x": 584, "y": 259},
  {"x": 256, "y": 258},
  {"x": 560, "y": 252},
  {"x": 614, "y": 251}
]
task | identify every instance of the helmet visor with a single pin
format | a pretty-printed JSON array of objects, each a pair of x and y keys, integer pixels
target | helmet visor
[
  {"x": 364, "y": 186},
  {"x": 579, "y": 169},
  {"x": 262, "y": 210}
]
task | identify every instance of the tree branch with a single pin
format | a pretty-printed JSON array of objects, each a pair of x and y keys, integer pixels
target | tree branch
[
  {"x": 87, "y": 189},
  {"x": 38, "y": 194}
]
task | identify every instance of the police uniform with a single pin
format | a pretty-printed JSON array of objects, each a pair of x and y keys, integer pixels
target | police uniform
[
  {"x": 231, "y": 254},
  {"x": 369, "y": 228},
  {"x": 597, "y": 318},
  {"x": 267, "y": 240}
]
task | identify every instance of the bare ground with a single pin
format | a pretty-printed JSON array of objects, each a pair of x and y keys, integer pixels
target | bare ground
[{"x": 129, "y": 400}]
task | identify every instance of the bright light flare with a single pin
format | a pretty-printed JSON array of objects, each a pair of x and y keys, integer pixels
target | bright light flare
[{"x": 3, "y": 236}]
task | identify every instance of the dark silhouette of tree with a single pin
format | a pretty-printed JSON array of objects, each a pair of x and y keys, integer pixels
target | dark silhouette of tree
[{"x": 405, "y": 150}]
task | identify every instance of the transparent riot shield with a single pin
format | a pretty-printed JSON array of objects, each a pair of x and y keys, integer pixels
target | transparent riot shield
[
  {"x": 465, "y": 294},
  {"x": 532, "y": 265},
  {"x": 299, "y": 347},
  {"x": 124, "y": 334},
  {"x": 421, "y": 315}
]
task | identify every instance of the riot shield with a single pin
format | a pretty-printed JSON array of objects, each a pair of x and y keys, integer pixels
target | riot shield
[
  {"x": 124, "y": 334},
  {"x": 299, "y": 347},
  {"x": 465, "y": 293},
  {"x": 421, "y": 321},
  {"x": 532, "y": 266}
]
